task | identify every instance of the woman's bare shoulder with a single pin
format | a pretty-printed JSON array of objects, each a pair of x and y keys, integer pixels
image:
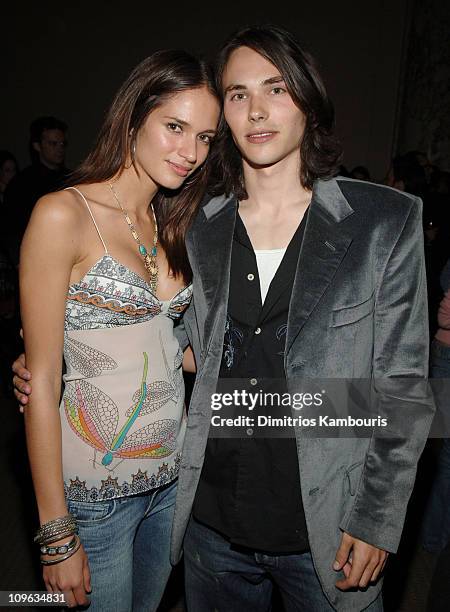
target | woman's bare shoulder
[{"x": 59, "y": 209}]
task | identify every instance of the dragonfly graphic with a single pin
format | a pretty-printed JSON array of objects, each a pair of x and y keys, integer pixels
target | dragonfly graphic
[
  {"x": 94, "y": 417},
  {"x": 86, "y": 359},
  {"x": 160, "y": 392}
]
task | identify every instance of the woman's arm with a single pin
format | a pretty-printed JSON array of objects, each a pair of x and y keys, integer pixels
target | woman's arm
[{"x": 48, "y": 253}]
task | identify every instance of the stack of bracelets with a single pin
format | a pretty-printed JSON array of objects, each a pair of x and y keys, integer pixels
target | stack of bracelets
[{"x": 56, "y": 530}]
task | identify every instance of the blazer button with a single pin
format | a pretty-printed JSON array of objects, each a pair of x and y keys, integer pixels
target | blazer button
[
  {"x": 253, "y": 381},
  {"x": 250, "y": 277},
  {"x": 257, "y": 331}
]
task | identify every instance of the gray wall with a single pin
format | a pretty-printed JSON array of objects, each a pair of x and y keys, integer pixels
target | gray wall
[
  {"x": 425, "y": 118},
  {"x": 67, "y": 59}
]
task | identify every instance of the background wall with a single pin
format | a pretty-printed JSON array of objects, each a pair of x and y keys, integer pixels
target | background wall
[
  {"x": 67, "y": 59},
  {"x": 424, "y": 121}
]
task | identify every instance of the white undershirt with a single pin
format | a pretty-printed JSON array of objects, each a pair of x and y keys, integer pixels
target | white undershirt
[{"x": 268, "y": 263}]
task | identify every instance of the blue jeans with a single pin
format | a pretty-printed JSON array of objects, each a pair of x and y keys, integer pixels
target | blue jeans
[
  {"x": 127, "y": 544},
  {"x": 436, "y": 527},
  {"x": 225, "y": 578}
]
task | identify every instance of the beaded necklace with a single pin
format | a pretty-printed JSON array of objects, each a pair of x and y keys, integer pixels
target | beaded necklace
[{"x": 149, "y": 258}]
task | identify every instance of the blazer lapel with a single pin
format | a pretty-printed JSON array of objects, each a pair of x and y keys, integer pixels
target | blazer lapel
[
  {"x": 213, "y": 242},
  {"x": 324, "y": 245}
]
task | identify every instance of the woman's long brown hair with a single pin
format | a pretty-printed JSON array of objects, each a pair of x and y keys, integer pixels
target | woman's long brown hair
[{"x": 150, "y": 84}]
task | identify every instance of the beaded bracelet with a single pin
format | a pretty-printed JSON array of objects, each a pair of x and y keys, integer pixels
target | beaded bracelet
[
  {"x": 59, "y": 550},
  {"x": 64, "y": 557}
]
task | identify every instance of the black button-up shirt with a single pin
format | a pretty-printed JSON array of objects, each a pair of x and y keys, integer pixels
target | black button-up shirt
[{"x": 249, "y": 488}]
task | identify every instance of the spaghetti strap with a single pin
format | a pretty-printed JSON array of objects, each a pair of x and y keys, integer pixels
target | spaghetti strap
[{"x": 90, "y": 212}]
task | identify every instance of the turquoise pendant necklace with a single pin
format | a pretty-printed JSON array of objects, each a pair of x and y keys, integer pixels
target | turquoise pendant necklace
[{"x": 149, "y": 258}]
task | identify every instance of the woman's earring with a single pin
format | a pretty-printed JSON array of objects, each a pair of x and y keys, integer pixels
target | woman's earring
[
  {"x": 132, "y": 154},
  {"x": 132, "y": 149}
]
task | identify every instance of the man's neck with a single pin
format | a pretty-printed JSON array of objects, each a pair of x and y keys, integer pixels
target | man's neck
[
  {"x": 276, "y": 203},
  {"x": 275, "y": 187}
]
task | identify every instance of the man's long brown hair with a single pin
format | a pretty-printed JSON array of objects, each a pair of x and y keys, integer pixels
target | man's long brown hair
[{"x": 150, "y": 84}]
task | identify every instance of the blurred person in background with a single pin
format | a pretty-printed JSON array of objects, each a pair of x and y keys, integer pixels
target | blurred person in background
[
  {"x": 436, "y": 527},
  {"x": 439, "y": 199},
  {"x": 408, "y": 174},
  {"x": 8, "y": 170},
  {"x": 8, "y": 280},
  {"x": 436, "y": 532},
  {"x": 360, "y": 173},
  {"x": 423, "y": 160},
  {"x": 47, "y": 172}
]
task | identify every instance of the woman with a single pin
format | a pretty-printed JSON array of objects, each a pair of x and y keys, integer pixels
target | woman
[{"x": 104, "y": 277}]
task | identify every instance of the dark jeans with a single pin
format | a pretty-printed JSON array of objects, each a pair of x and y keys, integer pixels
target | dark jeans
[{"x": 224, "y": 578}]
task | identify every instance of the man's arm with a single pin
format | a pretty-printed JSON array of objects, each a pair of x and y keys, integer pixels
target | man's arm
[
  {"x": 22, "y": 376},
  {"x": 400, "y": 361},
  {"x": 375, "y": 523}
]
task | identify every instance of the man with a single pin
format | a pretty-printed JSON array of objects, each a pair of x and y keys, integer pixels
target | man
[
  {"x": 296, "y": 274},
  {"x": 350, "y": 295},
  {"x": 48, "y": 141}
]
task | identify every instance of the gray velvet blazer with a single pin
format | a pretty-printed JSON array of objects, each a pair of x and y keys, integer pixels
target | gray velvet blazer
[{"x": 358, "y": 310}]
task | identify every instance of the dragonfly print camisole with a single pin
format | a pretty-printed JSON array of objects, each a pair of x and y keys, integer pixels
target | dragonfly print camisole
[{"x": 122, "y": 410}]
